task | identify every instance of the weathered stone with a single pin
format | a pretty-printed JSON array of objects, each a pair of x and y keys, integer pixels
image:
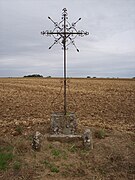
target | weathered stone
[
  {"x": 87, "y": 139},
  {"x": 17, "y": 123},
  {"x": 36, "y": 142},
  {"x": 63, "y": 124},
  {"x": 64, "y": 137},
  {"x": 25, "y": 123},
  {"x": 15, "y": 133}
]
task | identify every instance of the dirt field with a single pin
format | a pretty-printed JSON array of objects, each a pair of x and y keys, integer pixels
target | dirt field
[{"x": 107, "y": 106}]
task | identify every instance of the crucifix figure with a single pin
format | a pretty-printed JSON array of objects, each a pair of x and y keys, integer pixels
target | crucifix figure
[{"x": 64, "y": 33}]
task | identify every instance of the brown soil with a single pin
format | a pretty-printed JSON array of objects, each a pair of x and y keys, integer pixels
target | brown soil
[{"x": 100, "y": 104}]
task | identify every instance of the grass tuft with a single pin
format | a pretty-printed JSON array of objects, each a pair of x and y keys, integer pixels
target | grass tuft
[
  {"x": 19, "y": 129},
  {"x": 5, "y": 158},
  {"x": 59, "y": 153},
  {"x": 17, "y": 165},
  {"x": 56, "y": 152},
  {"x": 73, "y": 148},
  {"x": 100, "y": 134},
  {"x": 51, "y": 166}
]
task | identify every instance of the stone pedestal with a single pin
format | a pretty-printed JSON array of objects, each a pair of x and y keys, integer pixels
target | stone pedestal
[
  {"x": 63, "y": 124},
  {"x": 63, "y": 129}
]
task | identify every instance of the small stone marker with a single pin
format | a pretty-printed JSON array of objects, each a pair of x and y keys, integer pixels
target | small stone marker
[
  {"x": 87, "y": 139},
  {"x": 36, "y": 142}
]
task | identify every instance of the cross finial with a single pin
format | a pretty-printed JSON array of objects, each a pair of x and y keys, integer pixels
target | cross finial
[{"x": 64, "y": 10}]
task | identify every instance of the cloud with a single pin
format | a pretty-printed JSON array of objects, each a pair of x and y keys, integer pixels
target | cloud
[
  {"x": 109, "y": 50},
  {"x": 119, "y": 43}
]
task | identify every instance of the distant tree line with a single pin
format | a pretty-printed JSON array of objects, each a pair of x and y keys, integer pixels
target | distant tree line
[
  {"x": 33, "y": 75},
  {"x": 90, "y": 77}
]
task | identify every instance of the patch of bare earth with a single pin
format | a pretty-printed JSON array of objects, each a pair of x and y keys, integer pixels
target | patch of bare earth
[{"x": 106, "y": 106}]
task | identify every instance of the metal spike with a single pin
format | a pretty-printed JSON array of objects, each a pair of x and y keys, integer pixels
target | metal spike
[{"x": 73, "y": 24}]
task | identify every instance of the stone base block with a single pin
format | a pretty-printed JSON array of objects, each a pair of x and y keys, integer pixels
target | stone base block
[
  {"x": 64, "y": 138},
  {"x": 63, "y": 124}
]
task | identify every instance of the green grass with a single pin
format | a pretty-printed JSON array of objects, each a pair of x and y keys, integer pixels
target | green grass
[
  {"x": 57, "y": 153},
  {"x": 50, "y": 146},
  {"x": 73, "y": 148},
  {"x": 54, "y": 169},
  {"x": 5, "y": 158},
  {"x": 17, "y": 165},
  {"x": 7, "y": 148},
  {"x": 19, "y": 129},
  {"x": 100, "y": 134},
  {"x": 51, "y": 166}
]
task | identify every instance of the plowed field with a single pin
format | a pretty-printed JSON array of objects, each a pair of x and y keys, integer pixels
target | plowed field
[
  {"x": 105, "y": 103},
  {"x": 106, "y": 106}
]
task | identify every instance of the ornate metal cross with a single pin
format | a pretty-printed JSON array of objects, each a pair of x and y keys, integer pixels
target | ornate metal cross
[{"x": 64, "y": 33}]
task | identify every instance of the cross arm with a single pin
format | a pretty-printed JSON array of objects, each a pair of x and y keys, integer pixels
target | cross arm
[{"x": 81, "y": 33}]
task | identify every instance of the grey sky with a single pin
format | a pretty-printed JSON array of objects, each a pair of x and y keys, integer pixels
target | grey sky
[{"x": 109, "y": 50}]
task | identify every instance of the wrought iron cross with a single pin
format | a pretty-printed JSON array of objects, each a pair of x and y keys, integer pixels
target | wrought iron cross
[{"x": 64, "y": 33}]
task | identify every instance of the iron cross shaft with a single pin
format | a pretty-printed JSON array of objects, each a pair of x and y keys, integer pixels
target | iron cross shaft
[{"x": 64, "y": 33}]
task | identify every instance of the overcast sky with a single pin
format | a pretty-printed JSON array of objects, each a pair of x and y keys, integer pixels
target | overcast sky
[{"x": 109, "y": 50}]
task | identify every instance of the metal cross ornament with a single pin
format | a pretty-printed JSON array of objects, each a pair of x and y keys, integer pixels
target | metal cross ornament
[{"x": 64, "y": 33}]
